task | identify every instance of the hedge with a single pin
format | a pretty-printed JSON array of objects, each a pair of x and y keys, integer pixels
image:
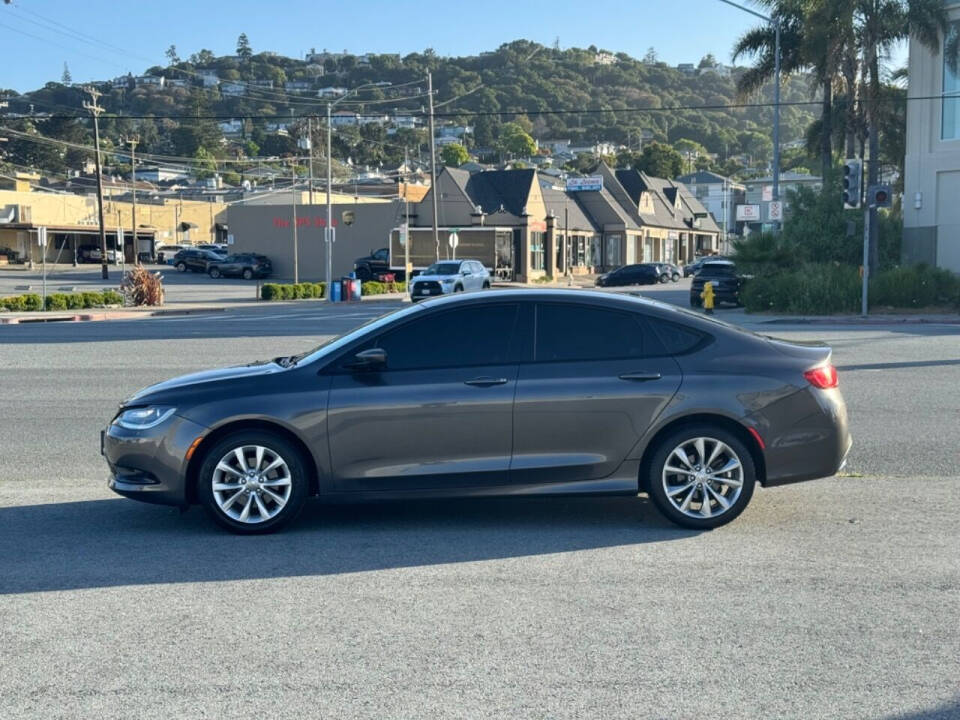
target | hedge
[
  {"x": 299, "y": 291},
  {"x": 61, "y": 301},
  {"x": 823, "y": 289}
]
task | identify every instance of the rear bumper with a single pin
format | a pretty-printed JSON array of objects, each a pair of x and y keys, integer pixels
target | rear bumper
[
  {"x": 150, "y": 465},
  {"x": 815, "y": 446}
]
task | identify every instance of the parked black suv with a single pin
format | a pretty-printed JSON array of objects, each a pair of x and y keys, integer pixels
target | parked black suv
[
  {"x": 245, "y": 265},
  {"x": 642, "y": 274},
  {"x": 727, "y": 283},
  {"x": 376, "y": 263},
  {"x": 195, "y": 259}
]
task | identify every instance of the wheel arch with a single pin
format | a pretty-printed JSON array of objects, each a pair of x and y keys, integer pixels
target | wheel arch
[
  {"x": 721, "y": 421},
  {"x": 221, "y": 431}
]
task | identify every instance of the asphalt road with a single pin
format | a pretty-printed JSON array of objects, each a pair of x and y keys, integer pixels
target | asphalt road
[{"x": 831, "y": 599}]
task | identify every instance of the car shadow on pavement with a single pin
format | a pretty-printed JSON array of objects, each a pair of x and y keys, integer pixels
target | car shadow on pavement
[
  {"x": 106, "y": 543},
  {"x": 947, "y": 711}
]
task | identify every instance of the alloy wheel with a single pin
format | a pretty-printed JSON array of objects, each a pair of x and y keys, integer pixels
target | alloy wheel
[
  {"x": 251, "y": 484},
  {"x": 702, "y": 477}
]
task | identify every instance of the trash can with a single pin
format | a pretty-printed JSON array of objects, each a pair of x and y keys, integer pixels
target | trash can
[{"x": 335, "y": 294}]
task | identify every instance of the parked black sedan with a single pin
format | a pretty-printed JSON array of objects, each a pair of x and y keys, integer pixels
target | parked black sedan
[
  {"x": 518, "y": 392},
  {"x": 726, "y": 283},
  {"x": 195, "y": 259},
  {"x": 640, "y": 274},
  {"x": 245, "y": 265}
]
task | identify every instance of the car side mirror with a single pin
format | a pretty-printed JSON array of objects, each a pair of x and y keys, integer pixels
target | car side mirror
[
  {"x": 368, "y": 360},
  {"x": 466, "y": 272}
]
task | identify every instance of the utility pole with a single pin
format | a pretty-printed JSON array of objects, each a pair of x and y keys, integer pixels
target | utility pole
[
  {"x": 328, "y": 230},
  {"x": 133, "y": 141},
  {"x": 95, "y": 110},
  {"x": 310, "y": 148},
  {"x": 725, "y": 201},
  {"x": 406, "y": 220},
  {"x": 433, "y": 167},
  {"x": 293, "y": 200}
]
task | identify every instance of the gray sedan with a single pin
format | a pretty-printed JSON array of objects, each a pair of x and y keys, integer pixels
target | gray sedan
[{"x": 522, "y": 392}]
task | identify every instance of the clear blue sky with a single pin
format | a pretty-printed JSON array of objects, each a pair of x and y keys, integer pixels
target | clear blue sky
[{"x": 32, "y": 50}]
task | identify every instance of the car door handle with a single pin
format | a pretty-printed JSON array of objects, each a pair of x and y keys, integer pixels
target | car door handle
[
  {"x": 485, "y": 381},
  {"x": 640, "y": 376}
]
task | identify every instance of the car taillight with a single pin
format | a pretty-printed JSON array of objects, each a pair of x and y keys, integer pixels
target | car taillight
[{"x": 823, "y": 377}]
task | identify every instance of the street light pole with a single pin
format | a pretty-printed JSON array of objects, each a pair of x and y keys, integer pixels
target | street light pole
[
  {"x": 775, "y": 22},
  {"x": 433, "y": 168}
]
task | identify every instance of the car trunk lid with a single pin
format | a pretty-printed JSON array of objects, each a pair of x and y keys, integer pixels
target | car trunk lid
[{"x": 810, "y": 353}]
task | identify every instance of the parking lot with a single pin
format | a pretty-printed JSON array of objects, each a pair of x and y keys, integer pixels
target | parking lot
[{"x": 831, "y": 599}]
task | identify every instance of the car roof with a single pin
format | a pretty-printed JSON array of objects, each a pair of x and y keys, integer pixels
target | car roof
[{"x": 719, "y": 263}]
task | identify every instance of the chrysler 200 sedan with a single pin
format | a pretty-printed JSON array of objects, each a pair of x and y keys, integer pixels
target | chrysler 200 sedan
[{"x": 521, "y": 392}]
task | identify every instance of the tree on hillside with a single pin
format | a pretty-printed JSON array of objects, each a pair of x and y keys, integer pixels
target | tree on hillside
[
  {"x": 454, "y": 154},
  {"x": 172, "y": 56},
  {"x": 515, "y": 141},
  {"x": 708, "y": 61},
  {"x": 243, "y": 47},
  {"x": 660, "y": 160},
  {"x": 66, "y": 78},
  {"x": 205, "y": 165},
  {"x": 651, "y": 57},
  {"x": 203, "y": 58}
]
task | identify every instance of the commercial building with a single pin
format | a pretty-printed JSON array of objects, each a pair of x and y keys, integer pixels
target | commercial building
[
  {"x": 931, "y": 200},
  {"x": 719, "y": 195}
]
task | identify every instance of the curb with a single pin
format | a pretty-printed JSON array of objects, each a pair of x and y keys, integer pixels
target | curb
[{"x": 131, "y": 314}]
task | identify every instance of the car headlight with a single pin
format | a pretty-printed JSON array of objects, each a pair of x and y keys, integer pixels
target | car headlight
[
  {"x": 143, "y": 418},
  {"x": 446, "y": 281}
]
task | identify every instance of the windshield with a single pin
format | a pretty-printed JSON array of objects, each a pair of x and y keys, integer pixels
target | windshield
[
  {"x": 338, "y": 341},
  {"x": 443, "y": 268},
  {"x": 717, "y": 269}
]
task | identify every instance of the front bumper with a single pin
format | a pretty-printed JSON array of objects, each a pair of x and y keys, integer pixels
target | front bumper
[{"x": 150, "y": 465}]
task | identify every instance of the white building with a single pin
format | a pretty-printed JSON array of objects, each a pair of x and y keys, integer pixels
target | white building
[
  {"x": 231, "y": 127},
  {"x": 331, "y": 92},
  {"x": 233, "y": 89},
  {"x": 298, "y": 86},
  {"x": 342, "y": 118},
  {"x": 718, "y": 194},
  {"x": 162, "y": 174},
  {"x": 931, "y": 200},
  {"x": 209, "y": 79},
  {"x": 149, "y": 81}
]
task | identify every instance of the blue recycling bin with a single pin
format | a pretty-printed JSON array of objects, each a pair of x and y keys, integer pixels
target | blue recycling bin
[{"x": 335, "y": 288}]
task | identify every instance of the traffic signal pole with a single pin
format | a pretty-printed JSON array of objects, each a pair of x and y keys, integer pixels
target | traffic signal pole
[{"x": 868, "y": 208}]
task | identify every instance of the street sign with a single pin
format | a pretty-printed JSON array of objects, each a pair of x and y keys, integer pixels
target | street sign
[
  {"x": 454, "y": 240},
  {"x": 585, "y": 184},
  {"x": 748, "y": 213},
  {"x": 767, "y": 193},
  {"x": 42, "y": 236},
  {"x": 229, "y": 238},
  {"x": 775, "y": 211},
  {"x": 349, "y": 216}
]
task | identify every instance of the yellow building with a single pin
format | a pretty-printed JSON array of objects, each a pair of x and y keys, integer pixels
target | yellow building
[{"x": 71, "y": 222}]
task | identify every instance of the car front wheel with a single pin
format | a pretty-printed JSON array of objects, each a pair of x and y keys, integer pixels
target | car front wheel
[
  {"x": 701, "y": 477},
  {"x": 214, "y": 272},
  {"x": 247, "y": 274},
  {"x": 181, "y": 267},
  {"x": 253, "y": 482},
  {"x": 675, "y": 277}
]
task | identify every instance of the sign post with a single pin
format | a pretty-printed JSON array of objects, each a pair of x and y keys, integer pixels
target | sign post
[
  {"x": 453, "y": 241},
  {"x": 42, "y": 241},
  {"x": 775, "y": 212}
]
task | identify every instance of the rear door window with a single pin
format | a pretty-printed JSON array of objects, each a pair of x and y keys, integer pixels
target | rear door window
[{"x": 567, "y": 332}]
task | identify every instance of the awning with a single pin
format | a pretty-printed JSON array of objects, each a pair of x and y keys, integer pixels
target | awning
[
  {"x": 185, "y": 226},
  {"x": 221, "y": 226}
]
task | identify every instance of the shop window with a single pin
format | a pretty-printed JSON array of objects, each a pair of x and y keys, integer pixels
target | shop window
[{"x": 536, "y": 251}]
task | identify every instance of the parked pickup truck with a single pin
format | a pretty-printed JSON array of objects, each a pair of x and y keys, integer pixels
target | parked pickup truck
[{"x": 375, "y": 264}]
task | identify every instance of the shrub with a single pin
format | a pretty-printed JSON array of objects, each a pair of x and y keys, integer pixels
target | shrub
[
  {"x": 296, "y": 291},
  {"x": 112, "y": 297},
  {"x": 93, "y": 299},
  {"x": 286, "y": 292},
  {"x": 270, "y": 291},
  {"x": 320, "y": 289},
  {"x": 32, "y": 301},
  {"x": 373, "y": 287},
  {"x": 74, "y": 301},
  {"x": 915, "y": 287},
  {"x": 308, "y": 289},
  {"x": 141, "y": 287},
  {"x": 814, "y": 289},
  {"x": 57, "y": 301},
  {"x": 15, "y": 303}
]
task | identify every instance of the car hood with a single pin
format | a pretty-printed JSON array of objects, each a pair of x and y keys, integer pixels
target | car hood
[
  {"x": 203, "y": 377},
  {"x": 435, "y": 277}
]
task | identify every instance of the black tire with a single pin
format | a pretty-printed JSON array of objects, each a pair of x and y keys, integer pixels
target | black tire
[
  {"x": 299, "y": 481},
  {"x": 675, "y": 277},
  {"x": 214, "y": 272},
  {"x": 694, "y": 302},
  {"x": 247, "y": 274},
  {"x": 664, "y": 278},
  {"x": 486, "y": 285},
  {"x": 364, "y": 274},
  {"x": 663, "y": 453},
  {"x": 181, "y": 267},
  {"x": 458, "y": 288}
]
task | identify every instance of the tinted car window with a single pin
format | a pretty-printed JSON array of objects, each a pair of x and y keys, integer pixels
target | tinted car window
[
  {"x": 676, "y": 339},
  {"x": 568, "y": 332},
  {"x": 718, "y": 270},
  {"x": 457, "y": 338}
]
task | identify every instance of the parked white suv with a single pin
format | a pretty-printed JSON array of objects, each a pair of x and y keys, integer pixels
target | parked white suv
[{"x": 449, "y": 276}]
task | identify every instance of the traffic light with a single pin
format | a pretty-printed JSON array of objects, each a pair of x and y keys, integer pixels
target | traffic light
[
  {"x": 880, "y": 196},
  {"x": 852, "y": 174}
]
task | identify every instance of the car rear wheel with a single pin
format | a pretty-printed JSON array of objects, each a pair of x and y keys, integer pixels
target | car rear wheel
[
  {"x": 181, "y": 267},
  {"x": 253, "y": 482},
  {"x": 247, "y": 274},
  {"x": 214, "y": 272},
  {"x": 364, "y": 274},
  {"x": 694, "y": 302},
  {"x": 486, "y": 285},
  {"x": 675, "y": 277},
  {"x": 664, "y": 278},
  {"x": 701, "y": 477}
]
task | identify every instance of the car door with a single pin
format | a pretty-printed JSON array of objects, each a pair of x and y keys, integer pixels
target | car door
[
  {"x": 598, "y": 379},
  {"x": 475, "y": 280},
  {"x": 439, "y": 415}
]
